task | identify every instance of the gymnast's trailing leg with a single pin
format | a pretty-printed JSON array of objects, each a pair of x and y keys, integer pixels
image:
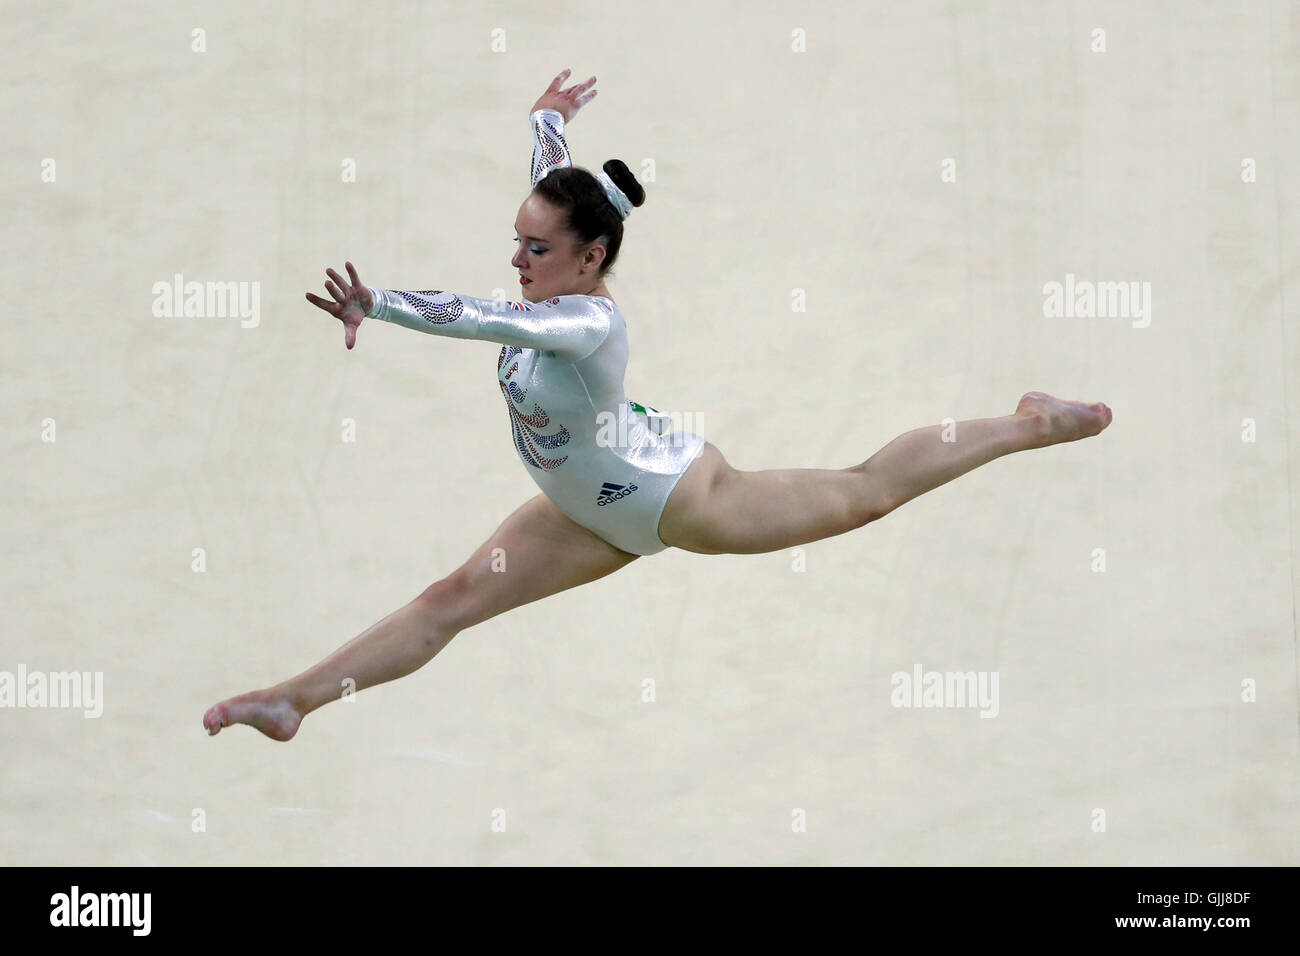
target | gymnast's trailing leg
[{"x": 536, "y": 552}]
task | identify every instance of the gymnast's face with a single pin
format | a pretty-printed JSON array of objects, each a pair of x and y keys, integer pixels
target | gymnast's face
[{"x": 550, "y": 256}]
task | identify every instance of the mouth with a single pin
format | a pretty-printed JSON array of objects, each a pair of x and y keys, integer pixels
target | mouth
[{"x": 524, "y": 280}]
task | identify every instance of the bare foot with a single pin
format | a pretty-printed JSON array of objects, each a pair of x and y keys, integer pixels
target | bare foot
[
  {"x": 267, "y": 710},
  {"x": 1061, "y": 420}
]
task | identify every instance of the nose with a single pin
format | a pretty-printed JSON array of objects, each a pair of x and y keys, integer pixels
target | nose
[{"x": 517, "y": 260}]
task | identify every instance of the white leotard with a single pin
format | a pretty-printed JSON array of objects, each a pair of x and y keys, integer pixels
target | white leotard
[{"x": 600, "y": 458}]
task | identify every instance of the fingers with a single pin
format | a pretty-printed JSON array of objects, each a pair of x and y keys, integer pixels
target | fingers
[
  {"x": 333, "y": 308},
  {"x": 352, "y": 274},
  {"x": 555, "y": 83},
  {"x": 339, "y": 279},
  {"x": 349, "y": 334},
  {"x": 578, "y": 88},
  {"x": 589, "y": 96},
  {"x": 334, "y": 290}
]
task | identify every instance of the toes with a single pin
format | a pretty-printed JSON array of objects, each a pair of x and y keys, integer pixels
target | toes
[{"x": 214, "y": 720}]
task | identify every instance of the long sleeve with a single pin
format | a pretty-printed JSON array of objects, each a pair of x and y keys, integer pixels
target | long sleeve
[
  {"x": 569, "y": 325},
  {"x": 549, "y": 148}
]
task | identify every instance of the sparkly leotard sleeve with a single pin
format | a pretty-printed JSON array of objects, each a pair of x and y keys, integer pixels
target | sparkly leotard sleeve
[
  {"x": 571, "y": 326},
  {"x": 604, "y": 461},
  {"x": 550, "y": 151}
]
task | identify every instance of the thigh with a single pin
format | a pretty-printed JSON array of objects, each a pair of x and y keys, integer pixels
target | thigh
[
  {"x": 720, "y": 510},
  {"x": 536, "y": 552}
]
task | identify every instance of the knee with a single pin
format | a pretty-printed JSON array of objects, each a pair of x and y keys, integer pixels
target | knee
[
  {"x": 869, "y": 502},
  {"x": 863, "y": 514},
  {"x": 873, "y": 507},
  {"x": 445, "y": 601}
]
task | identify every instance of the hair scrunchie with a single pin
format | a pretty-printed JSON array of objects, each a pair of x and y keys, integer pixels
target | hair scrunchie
[{"x": 618, "y": 198}]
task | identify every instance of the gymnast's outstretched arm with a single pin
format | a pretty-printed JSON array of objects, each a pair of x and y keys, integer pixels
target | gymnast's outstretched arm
[
  {"x": 568, "y": 325},
  {"x": 572, "y": 326}
]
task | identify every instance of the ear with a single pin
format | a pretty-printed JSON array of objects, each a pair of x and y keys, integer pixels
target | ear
[{"x": 593, "y": 257}]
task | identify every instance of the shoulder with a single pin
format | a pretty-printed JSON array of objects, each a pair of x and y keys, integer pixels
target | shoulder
[
  {"x": 601, "y": 314},
  {"x": 563, "y": 305},
  {"x": 579, "y": 303}
]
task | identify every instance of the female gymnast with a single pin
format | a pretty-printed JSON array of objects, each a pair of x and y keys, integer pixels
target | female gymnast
[{"x": 605, "y": 503}]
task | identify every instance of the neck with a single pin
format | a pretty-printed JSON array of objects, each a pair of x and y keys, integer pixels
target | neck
[{"x": 599, "y": 289}]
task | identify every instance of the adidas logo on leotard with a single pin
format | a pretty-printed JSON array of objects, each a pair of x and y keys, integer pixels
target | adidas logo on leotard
[{"x": 610, "y": 492}]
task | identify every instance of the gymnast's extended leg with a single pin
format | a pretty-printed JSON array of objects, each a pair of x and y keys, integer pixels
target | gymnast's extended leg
[
  {"x": 544, "y": 552},
  {"x": 716, "y": 509}
]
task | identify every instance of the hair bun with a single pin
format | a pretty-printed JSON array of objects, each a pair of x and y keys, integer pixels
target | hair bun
[{"x": 617, "y": 170}]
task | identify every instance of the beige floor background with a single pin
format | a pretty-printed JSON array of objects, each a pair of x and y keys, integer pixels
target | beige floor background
[{"x": 774, "y": 170}]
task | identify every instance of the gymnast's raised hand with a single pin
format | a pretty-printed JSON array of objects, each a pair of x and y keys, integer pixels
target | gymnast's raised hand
[
  {"x": 351, "y": 301},
  {"x": 566, "y": 102}
]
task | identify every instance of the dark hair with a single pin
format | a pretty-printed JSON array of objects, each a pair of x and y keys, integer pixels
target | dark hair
[{"x": 591, "y": 216}]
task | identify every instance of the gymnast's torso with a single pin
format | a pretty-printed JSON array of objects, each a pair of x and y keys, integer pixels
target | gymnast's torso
[
  {"x": 607, "y": 463},
  {"x": 592, "y": 452}
]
